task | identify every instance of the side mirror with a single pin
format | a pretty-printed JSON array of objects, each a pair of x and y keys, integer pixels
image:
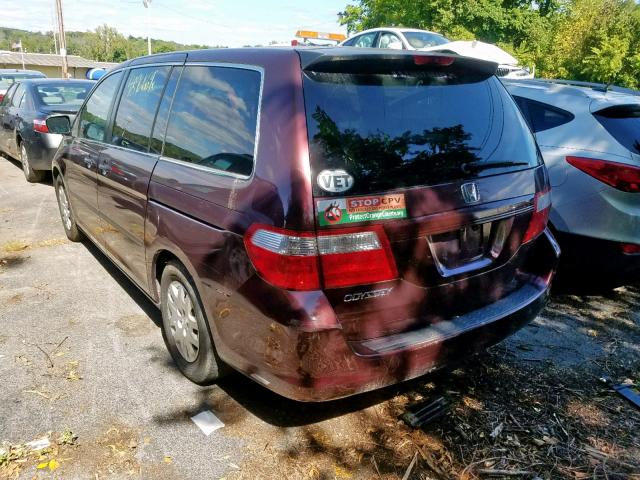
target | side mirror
[{"x": 60, "y": 124}]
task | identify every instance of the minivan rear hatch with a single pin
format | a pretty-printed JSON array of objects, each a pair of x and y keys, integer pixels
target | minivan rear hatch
[{"x": 425, "y": 183}]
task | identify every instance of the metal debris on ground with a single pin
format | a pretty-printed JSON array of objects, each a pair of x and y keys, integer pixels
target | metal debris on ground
[
  {"x": 625, "y": 390},
  {"x": 420, "y": 414}
]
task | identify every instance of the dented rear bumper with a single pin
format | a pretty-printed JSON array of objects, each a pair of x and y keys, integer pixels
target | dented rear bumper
[{"x": 307, "y": 365}]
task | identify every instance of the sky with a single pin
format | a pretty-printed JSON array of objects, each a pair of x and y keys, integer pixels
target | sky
[{"x": 230, "y": 23}]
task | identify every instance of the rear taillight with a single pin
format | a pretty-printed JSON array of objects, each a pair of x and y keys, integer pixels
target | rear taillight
[
  {"x": 40, "y": 126},
  {"x": 630, "y": 248},
  {"x": 340, "y": 257},
  {"x": 617, "y": 175},
  {"x": 540, "y": 217},
  {"x": 1, "y": 96}
]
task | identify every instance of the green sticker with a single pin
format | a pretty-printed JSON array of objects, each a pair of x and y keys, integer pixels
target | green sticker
[{"x": 361, "y": 209}]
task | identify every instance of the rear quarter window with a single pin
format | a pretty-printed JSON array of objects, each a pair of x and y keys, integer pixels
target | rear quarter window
[
  {"x": 17, "y": 97},
  {"x": 541, "y": 116},
  {"x": 214, "y": 118},
  {"x": 623, "y": 123}
]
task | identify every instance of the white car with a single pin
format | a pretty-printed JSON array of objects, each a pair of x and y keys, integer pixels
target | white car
[
  {"x": 589, "y": 137},
  {"x": 424, "y": 40}
]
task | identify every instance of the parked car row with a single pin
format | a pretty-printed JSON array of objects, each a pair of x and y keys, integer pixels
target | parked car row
[
  {"x": 23, "y": 112},
  {"x": 325, "y": 220},
  {"x": 9, "y": 76}
]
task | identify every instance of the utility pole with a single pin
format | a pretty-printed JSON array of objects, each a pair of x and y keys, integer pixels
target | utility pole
[
  {"x": 55, "y": 36},
  {"x": 147, "y": 6},
  {"x": 63, "y": 41}
]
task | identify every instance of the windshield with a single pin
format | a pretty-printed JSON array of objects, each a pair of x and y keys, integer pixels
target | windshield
[
  {"x": 7, "y": 79},
  {"x": 424, "y": 39},
  {"x": 390, "y": 131},
  {"x": 66, "y": 93}
]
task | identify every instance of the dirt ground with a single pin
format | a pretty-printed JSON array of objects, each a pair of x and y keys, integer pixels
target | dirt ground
[{"x": 83, "y": 365}]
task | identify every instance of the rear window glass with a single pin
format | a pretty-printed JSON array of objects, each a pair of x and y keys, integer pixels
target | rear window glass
[
  {"x": 424, "y": 39},
  {"x": 8, "y": 79},
  {"x": 397, "y": 130},
  {"x": 63, "y": 93},
  {"x": 623, "y": 123}
]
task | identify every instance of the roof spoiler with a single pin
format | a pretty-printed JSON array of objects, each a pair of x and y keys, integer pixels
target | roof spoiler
[{"x": 354, "y": 60}]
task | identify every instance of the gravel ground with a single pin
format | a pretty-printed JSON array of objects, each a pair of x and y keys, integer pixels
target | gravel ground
[{"x": 83, "y": 363}]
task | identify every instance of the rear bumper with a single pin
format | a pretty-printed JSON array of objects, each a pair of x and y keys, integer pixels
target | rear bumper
[
  {"x": 307, "y": 365},
  {"x": 41, "y": 150}
]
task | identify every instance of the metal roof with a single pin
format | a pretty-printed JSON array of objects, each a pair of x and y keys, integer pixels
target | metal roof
[{"x": 49, "y": 60}]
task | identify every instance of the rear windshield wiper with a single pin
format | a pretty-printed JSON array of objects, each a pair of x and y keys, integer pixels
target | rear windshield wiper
[{"x": 479, "y": 166}]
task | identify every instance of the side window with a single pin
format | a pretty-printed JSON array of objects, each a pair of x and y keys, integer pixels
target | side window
[
  {"x": 350, "y": 42},
  {"x": 24, "y": 101},
  {"x": 541, "y": 116},
  {"x": 17, "y": 97},
  {"x": 214, "y": 118},
  {"x": 162, "y": 117},
  {"x": 389, "y": 40},
  {"x": 93, "y": 118},
  {"x": 366, "y": 40},
  {"x": 137, "y": 108},
  {"x": 6, "y": 100}
]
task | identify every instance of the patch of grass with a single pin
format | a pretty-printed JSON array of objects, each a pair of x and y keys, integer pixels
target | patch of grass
[
  {"x": 67, "y": 438},
  {"x": 52, "y": 242},
  {"x": 15, "y": 246}
]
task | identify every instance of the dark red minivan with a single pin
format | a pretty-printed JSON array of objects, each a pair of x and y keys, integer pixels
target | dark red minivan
[{"x": 324, "y": 220}]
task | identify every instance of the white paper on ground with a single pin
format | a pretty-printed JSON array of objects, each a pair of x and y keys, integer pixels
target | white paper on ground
[
  {"x": 207, "y": 422},
  {"x": 39, "y": 444}
]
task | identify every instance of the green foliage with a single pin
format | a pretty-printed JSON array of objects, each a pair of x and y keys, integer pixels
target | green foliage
[
  {"x": 593, "y": 40},
  {"x": 105, "y": 44}
]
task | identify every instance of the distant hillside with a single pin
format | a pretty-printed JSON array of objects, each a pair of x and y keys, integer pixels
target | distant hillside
[{"x": 104, "y": 44}]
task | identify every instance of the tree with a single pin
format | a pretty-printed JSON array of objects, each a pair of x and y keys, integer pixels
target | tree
[
  {"x": 595, "y": 40},
  {"x": 106, "y": 45}
]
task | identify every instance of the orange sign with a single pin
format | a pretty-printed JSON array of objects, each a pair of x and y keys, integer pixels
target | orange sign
[
  {"x": 336, "y": 37},
  {"x": 375, "y": 203}
]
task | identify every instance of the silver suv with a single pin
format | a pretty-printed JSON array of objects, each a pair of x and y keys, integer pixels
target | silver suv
[{"x": 590, "y": 140}]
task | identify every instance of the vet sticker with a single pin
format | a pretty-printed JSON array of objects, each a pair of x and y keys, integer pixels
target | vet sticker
[
  {"x": 361, "y": 209},
  {"x": 334, "y": 181}
]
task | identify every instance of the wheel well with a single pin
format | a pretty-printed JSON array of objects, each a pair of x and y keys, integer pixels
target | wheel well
[{"x": 162, "y": 259}]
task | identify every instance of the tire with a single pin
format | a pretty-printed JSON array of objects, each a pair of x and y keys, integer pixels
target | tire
[
  {"x": 66, "y": 213},
  {"x": 182, "y": 315},
  {"x": 32, "y": 176}
]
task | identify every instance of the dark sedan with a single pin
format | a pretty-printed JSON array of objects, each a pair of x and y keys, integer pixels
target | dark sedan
[{"x": 23, "y": 113}]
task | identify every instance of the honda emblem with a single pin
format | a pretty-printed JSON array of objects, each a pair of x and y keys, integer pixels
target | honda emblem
[{"x": 470, "y": 192}]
